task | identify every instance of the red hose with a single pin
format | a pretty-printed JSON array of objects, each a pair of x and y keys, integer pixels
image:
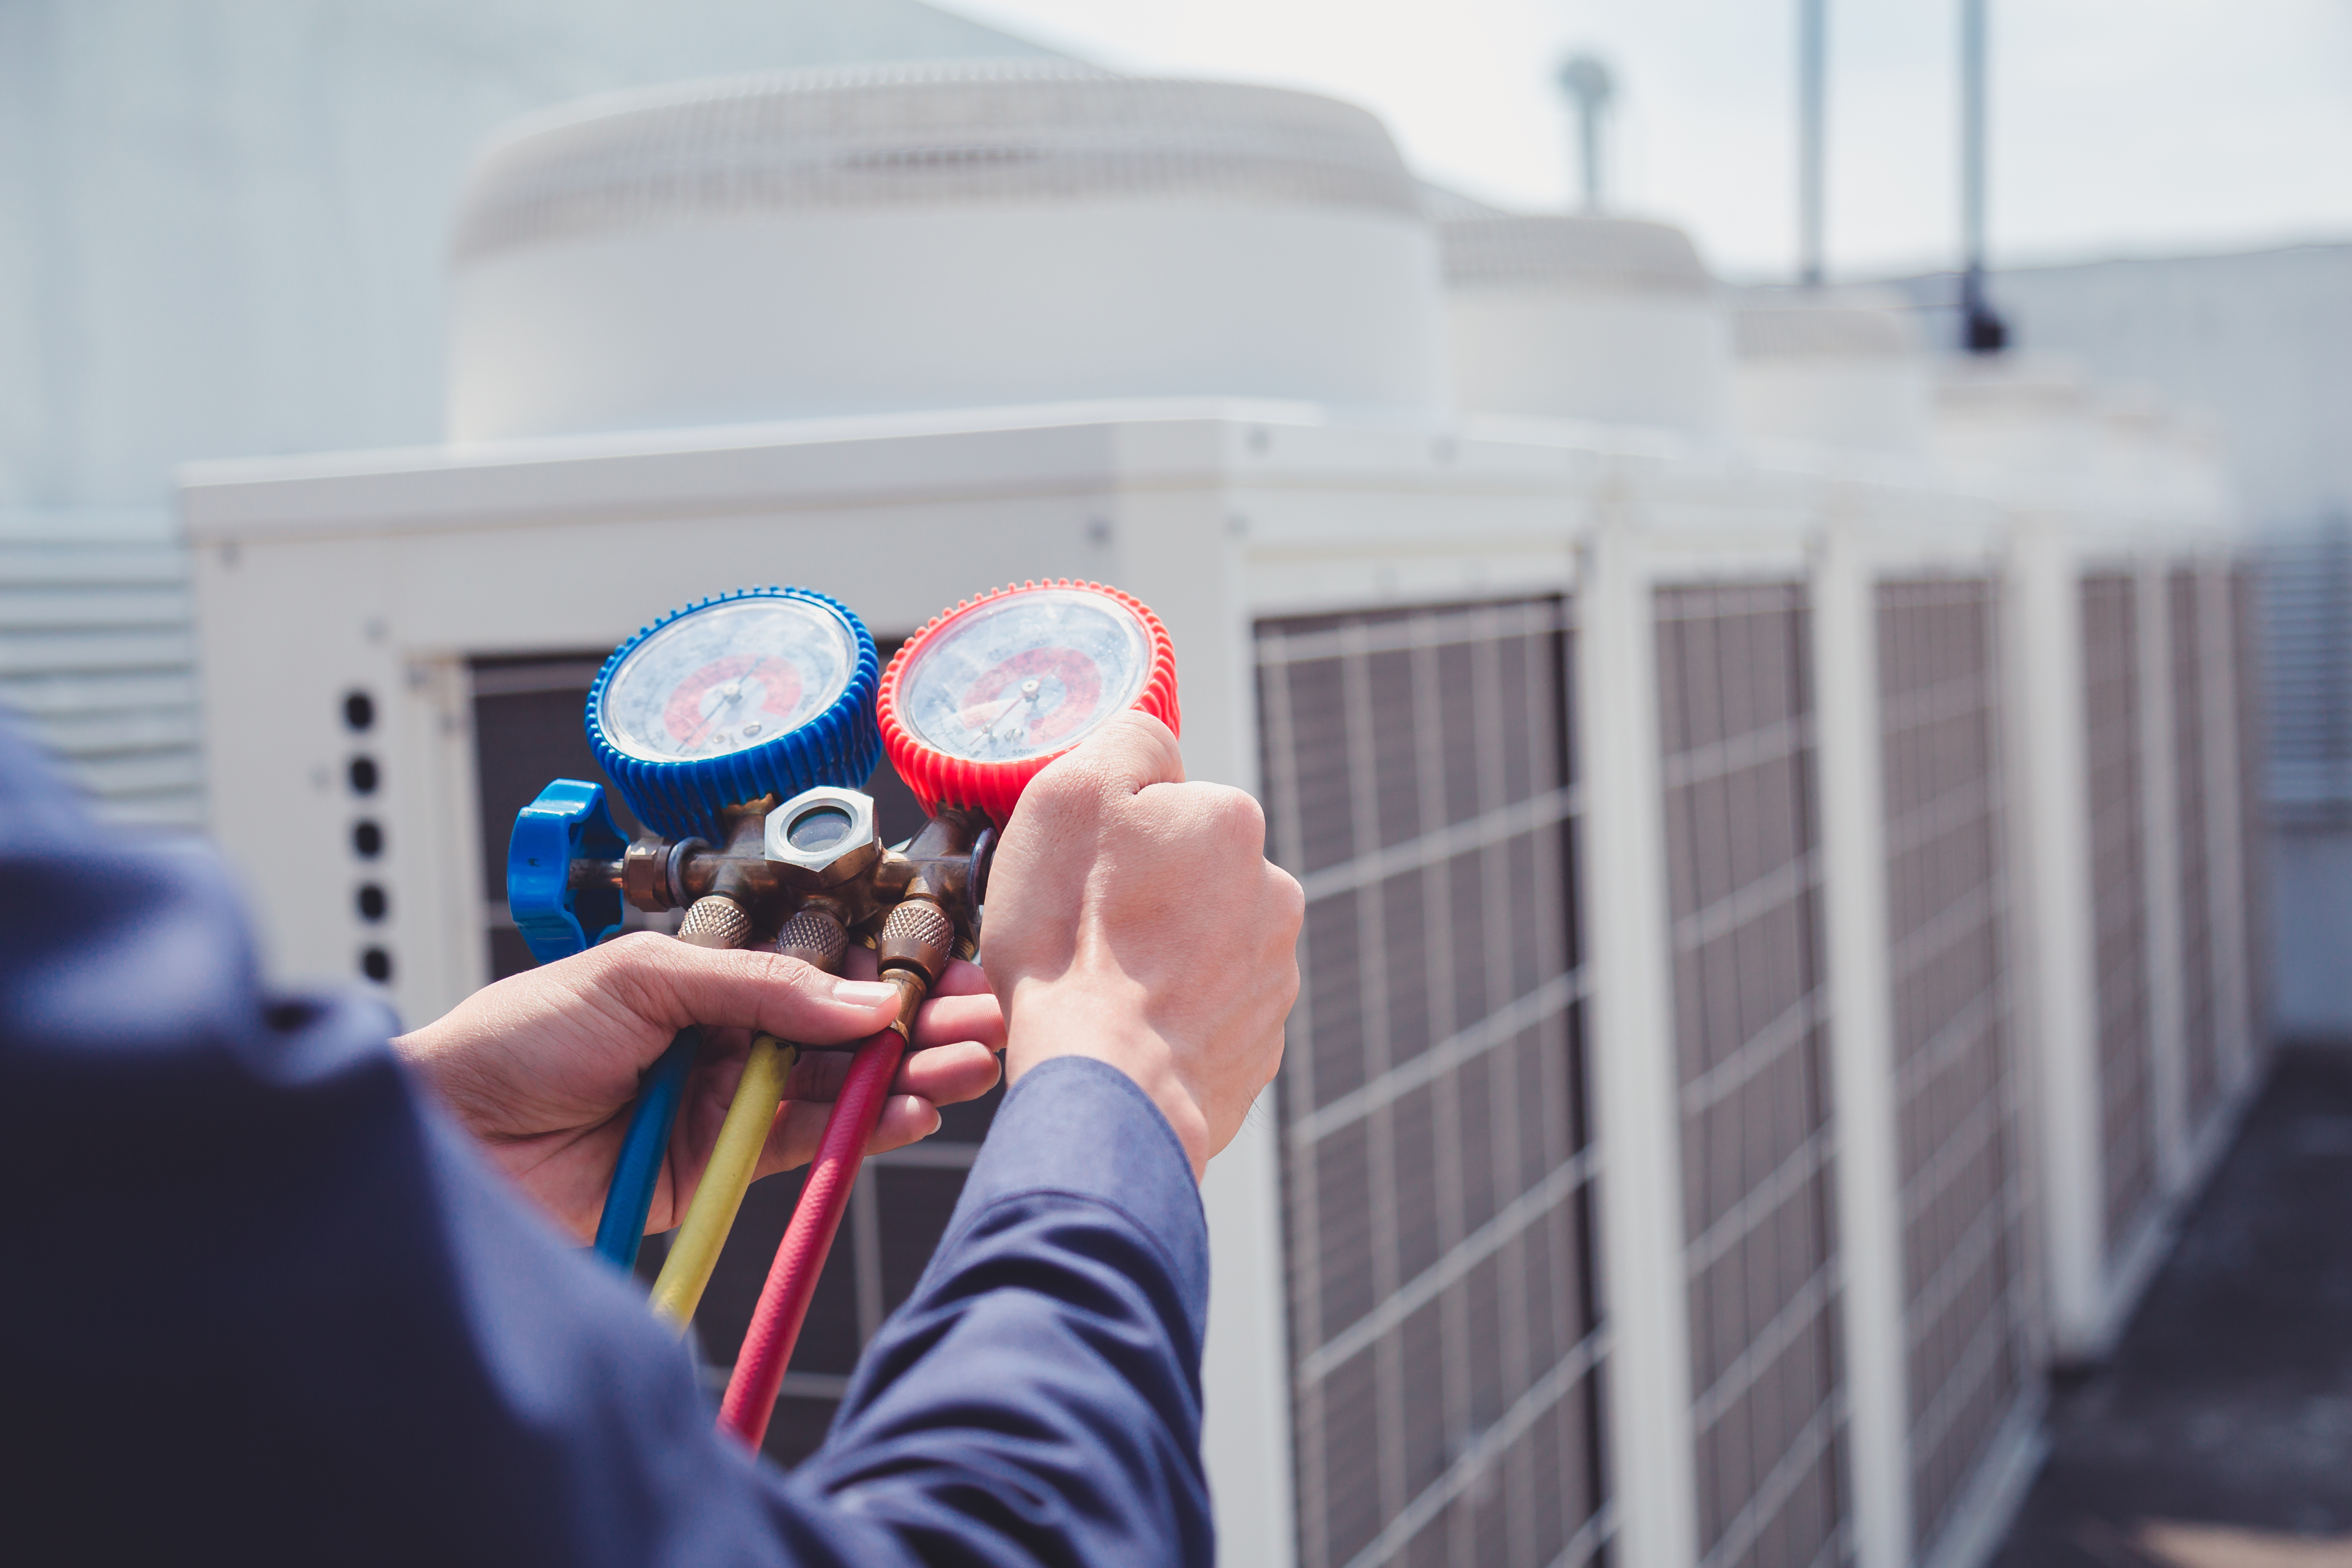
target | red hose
[{"x": 800, "y": 1258}]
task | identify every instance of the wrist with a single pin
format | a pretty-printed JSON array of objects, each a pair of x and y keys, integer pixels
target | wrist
[{"x": 1105, "y": 1021}]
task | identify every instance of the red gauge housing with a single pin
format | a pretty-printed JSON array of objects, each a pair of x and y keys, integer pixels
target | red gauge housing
[{"x": 986, "y": 694}]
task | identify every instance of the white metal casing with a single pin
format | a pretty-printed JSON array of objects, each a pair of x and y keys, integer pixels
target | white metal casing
[{"x": 1218, "y": 515}]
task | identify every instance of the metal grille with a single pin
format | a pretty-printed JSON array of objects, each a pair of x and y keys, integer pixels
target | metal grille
[
  {"x": 527, "y": 730},
  {"x": 2199, "y": 1037},
  {"x": 2119, "y": 899},
  {"x": 2255, "y": 804},
  {"x": 1446, "y": 1338},
  {"x": 1956, "y": 1098},
  {"x": 1744, "y": 868}
]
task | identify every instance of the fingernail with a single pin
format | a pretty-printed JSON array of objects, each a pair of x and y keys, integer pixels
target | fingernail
[{"x": 863, "y": 993}]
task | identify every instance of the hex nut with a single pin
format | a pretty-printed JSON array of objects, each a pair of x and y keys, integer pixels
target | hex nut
[{"x": 831, "y": 859}]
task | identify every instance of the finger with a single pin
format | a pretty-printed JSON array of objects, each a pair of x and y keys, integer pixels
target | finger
[
  {"x": 906, "y": 1118},
  {"x": 800, "y": 1127},
  {"x": 948, "y": 1019},
  {"x": 673, "y": 984},
  {"x": 962, "y": 978},
  {"x": 948, "y": 1075}
]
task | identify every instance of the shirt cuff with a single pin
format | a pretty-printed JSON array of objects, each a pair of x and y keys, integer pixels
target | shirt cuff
[{"x": 1082, "y": 1129}]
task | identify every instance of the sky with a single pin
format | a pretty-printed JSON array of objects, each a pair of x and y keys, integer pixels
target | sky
[{"x": 2119, "y": 127}]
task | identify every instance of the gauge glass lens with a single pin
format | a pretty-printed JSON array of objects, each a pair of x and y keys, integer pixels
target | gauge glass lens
[
  {"x": 729, "y": 676},
  {"x": 1024, "y": 675}
]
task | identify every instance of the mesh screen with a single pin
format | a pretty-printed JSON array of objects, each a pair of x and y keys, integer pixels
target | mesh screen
[
  {"x": 2253, "y": 747},
  {"x": 1955, "y": 1100},
  {"x": 527, "y": 729},
  {"x": 2199, "y": 1037},
  {"x": 1437, "y": 1166},
  {"x": 2119, "y": 899},
  {"x": 1744, "y": 868}
]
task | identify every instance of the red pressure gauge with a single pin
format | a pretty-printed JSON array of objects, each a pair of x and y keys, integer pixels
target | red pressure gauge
[{"x": 985, "y": 696}]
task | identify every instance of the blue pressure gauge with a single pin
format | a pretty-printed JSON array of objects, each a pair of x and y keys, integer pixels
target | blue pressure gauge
[{"x": 760, "y": 692}]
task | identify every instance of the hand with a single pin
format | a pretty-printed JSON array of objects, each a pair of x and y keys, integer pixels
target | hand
[
  {"x": 542, "y": 1067},
  {"x": 1133, "y": 918}
]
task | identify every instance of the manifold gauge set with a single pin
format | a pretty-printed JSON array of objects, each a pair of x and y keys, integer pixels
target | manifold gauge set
[{"x": 741, "y": 730}]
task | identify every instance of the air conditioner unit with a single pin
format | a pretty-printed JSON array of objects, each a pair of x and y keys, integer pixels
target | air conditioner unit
[{"x": 1720, "y": 971}]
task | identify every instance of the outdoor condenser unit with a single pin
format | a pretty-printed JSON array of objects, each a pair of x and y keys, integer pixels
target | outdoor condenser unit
[{"x": 1699, "y": 973}]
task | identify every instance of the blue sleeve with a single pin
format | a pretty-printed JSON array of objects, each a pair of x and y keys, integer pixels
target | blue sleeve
[{"x": 267, "y": 1305}]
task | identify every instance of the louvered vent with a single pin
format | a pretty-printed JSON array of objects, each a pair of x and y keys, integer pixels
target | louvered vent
[
  {"x": 1445, "y": 1337},
  {"x": 2305, "y": 591},
  {"x": 2200, "y": 1017},
  {"x": 2119, "y": 900},
  {"x": 97, "y": 655},
  {"x": 2255, "y": 803},
  {"x": 1745, "y": 873},
  {"x": 1956, "y": 1095}
]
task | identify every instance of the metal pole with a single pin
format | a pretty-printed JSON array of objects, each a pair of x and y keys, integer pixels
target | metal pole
[
  {"x": 1587, "y": 80},
  {"x": 1813, "y": 30},
  {"x": 1981, "y": 332}
]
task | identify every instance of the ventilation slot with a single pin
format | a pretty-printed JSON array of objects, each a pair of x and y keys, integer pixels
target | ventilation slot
[
  {"x": 1745, "y": 871},
  {"x": 1446, "y": 1342},
  {"x": 1955, "y": 1099},
  {"x": 2118, "y": 900}
]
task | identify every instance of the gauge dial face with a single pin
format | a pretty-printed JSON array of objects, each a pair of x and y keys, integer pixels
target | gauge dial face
[
  {"x": 1024, "y": 675},
  {"x": 729, "y": 676}
]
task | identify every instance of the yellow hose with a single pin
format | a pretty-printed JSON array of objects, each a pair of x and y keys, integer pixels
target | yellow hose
[{"x": 695, "y": 1253}]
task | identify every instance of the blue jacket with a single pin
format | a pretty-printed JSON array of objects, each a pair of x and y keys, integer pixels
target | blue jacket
[{"x": 267, "y": 1305}]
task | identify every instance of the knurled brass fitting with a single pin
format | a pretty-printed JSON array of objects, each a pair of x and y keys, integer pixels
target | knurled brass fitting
[
  {"x": 715, "y": 920},
  {"x": 917, "y": 936},
  {"x": 813, "y": 937}
]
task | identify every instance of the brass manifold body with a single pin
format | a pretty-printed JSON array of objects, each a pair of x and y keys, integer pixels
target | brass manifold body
[{"x": 810, "y": 876}]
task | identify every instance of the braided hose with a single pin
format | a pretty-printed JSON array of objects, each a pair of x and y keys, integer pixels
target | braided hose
[{"x": 914, "y": 947}]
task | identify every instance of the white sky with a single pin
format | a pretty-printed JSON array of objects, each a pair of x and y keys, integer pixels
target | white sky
[{"x": 2119, "y": 126}]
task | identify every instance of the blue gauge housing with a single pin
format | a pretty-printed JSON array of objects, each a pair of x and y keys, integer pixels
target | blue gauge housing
[
  {"x": 567, "y": 822},
  {"x": 684, "y": 797}
]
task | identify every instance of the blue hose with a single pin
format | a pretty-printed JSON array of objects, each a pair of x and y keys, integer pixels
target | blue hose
[{"x": 621, "y": 1229}]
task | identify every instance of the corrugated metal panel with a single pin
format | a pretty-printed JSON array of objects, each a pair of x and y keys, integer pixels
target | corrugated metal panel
[
  {"x": 2119, "y": 900},
  {"x": 1745, "y": 874},
  {"x": 2305, "y": 596},
  {"x": 97, "y": 653},
  {"x": 1445, "y": 1337},
  {"x": 1956, "y": 1095},
  {"x": 2199, "y": 1033}
]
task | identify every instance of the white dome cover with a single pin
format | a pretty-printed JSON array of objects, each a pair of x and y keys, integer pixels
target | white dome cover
[
  {"x": 1608, "y": 319},
  {"x": 1848, "y": 372},
  {"x": 935, "y": 236}
]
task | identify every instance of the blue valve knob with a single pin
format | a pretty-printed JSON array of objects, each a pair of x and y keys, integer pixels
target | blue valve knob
[{"x": 568, "y": 822}]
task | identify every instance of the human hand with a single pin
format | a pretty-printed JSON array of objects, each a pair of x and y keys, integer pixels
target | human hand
[
  {"x": 542, "y": 1067},
  {"x": 1133, "y": 917}
]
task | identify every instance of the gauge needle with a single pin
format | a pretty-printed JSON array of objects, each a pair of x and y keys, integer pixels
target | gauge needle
[
  {"x": 729, "y": 695},
  {"x": 1032, "y": 690}
]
